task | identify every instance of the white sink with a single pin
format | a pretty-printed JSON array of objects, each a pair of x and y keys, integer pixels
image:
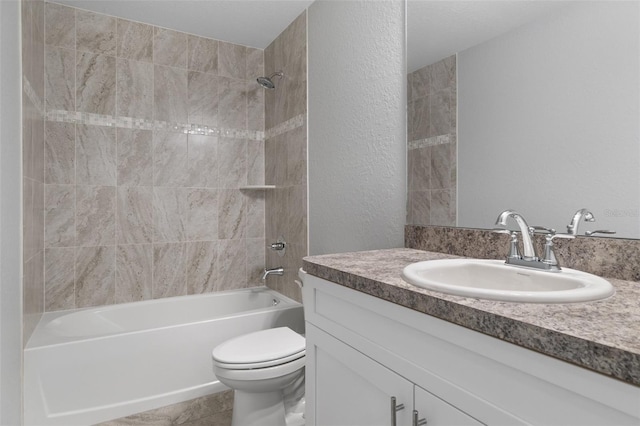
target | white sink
[{"x": 492, "y": 279}]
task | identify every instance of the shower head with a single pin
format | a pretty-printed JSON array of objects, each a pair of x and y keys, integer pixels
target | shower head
[{"x": 266, "y": 82}]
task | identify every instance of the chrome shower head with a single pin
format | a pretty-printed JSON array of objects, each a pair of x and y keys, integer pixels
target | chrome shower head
[{"x": 266, "y": 82}]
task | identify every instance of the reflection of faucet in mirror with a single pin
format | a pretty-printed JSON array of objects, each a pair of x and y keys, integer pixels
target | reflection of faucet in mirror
[{"x": 581, "y": 214}]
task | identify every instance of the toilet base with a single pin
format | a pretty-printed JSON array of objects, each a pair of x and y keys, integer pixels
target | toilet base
[{"x": 258, "y": 409}]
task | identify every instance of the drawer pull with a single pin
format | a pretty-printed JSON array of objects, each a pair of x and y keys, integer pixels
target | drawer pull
[
  {"x": 416, "y": 421},
  {"x": 394, "y": 409}
]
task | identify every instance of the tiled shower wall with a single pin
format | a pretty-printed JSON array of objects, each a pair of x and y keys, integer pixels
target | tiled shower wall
[
  {"x": 286, "y": 154},
  {"x": 32, "y": 162},
  {"x": 150, "y": 134},
  {"x": 432, "y": 115}
]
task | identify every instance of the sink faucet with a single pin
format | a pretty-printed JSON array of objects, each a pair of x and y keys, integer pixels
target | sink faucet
[
  {"x": 272, "y": 271},
  {"x": 529, "y": 251},
  {"x": 572, "y": 228}
]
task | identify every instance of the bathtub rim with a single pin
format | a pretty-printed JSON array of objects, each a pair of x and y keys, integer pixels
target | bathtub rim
[{"x": 40, "y": 338}]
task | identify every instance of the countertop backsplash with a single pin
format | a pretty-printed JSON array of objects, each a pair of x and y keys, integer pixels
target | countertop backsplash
[{"x": 606, "y": 257}]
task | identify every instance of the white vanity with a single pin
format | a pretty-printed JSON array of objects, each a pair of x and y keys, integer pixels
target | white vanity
[{"x": 377, "y": 354}]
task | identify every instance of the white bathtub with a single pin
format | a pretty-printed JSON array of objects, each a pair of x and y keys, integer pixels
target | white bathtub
[{"x": 86, "y": 366}]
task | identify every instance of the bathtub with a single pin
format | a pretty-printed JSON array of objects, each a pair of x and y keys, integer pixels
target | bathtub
[{"x": 86, "y": 366}]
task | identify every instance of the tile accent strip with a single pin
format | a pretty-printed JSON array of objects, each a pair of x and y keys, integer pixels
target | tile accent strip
[
  {"x": 139, "y": 123},
  {"x": 284, "y": 127},
  {"x": 434, "y": 140}
]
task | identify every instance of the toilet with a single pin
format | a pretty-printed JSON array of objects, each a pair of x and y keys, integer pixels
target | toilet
[{"x": 266, "y": 371}]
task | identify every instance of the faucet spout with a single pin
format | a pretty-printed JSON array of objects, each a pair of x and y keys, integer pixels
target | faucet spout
[
  {"x": 272, "y": 271},
  {"x": 529, "y": 252},
  {"x": 572, "y": 228}
]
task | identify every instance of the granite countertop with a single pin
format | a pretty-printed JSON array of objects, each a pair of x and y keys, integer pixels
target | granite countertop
[{"x": 603, "y": 336}]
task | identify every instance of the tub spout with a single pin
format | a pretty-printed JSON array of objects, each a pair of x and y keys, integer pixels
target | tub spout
[{"x": 272, "y": 271}]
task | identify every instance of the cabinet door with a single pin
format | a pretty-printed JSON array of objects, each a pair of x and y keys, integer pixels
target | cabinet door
[
  {"x": 352, "y": 389},
  {"x": 439, "y": 413}
]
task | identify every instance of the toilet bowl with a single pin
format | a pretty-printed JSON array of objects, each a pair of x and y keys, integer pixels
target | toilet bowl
[{"x": 259, "y": 367}]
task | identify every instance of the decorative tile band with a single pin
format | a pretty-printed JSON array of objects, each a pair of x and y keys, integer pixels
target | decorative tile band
[
  {"x": 432, "y": 141},
  {"x": 139, "y": 123},
  {"x": 287, "y": 126},
  {"x": 31, "y": 94}
]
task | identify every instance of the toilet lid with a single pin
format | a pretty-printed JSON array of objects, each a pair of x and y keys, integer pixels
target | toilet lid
[{"x": 261, "y": 346}]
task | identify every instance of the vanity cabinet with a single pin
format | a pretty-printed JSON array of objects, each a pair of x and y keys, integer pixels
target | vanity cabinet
[{"x": 362, "y": 351}]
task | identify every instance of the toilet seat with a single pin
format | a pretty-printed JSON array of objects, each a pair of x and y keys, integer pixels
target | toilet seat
[{"x": 261, "y": 349}]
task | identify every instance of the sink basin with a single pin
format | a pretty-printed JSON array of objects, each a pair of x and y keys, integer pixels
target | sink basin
[{"x": 492, "y": 279}]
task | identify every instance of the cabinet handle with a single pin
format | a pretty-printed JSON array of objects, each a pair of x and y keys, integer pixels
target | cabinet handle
[
  {"x": 395, "y": 408},
  {"x": 416, "y": 421}
]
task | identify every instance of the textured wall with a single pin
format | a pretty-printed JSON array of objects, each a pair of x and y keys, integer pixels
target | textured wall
[
  {"x": 150, "y": 133},
  {"x": 357, "y": 126},
  {"x": 548, "y": 120},
  {"x": 432, "y": 113},
  {"x": 286, "y": 153}
]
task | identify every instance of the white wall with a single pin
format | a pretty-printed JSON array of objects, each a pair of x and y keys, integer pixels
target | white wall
[
  {"x": 10, "y": 214},
  {"x": 548, "y": 121},
  {"x": 357, "y": 125}
]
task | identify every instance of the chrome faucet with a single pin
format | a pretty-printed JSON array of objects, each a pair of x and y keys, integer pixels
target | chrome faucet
[
  {"x": 572, "y": 228},
  {"x": 529, "y": 251},
  {"x": 272, "y": 271}
]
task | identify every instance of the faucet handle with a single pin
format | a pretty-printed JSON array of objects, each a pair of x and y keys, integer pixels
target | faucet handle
[
  {"x": 542, "y": 230},
  {"x": 599, "y": 231}
]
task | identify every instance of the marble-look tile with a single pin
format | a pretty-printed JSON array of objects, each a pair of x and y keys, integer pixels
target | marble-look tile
[
  {"x": 135, "y": 41},
  {"x": 255, "y": 64},
  {"x": 203, "y": 160},
  {"x": 95, "y": 276},
  {"x": 134, "y": 215},
  {"x": 255, "y": 214},
  {"x": 419, "y": 83},
  {"x": 441, "y": 166},
  {"x": 232, "y": 103},
  {"x": 296, "y": 147},
  {"x": 440, "y": 113},
  {"x": 202, "y": 266},
  {"x": 60, "y": 79},
  {"x": 134, "y": 269},
  {"x": 420, "y": 208},
  {"x": 36, "y": 76},
  {"x": 29, "y": 116},
  {"x": 232, "y": 60},
  {"x": 60, "y": 159},
  {"x": 297, "y": 212},
  {"x": 169, "y": 48},
  {"x": 95, "y": 155},
  {"x": 255, "y": 163},
  {"x": 232, "y": 154},
  {"x": 135, "y": 157},
  {"x": 231, "y": 214},
  {"x": 32, "y": 293},
  {"x": 95, "y": 33},
  {"x": 95, "y": 215},
  {"x": 418, "y": 119},
  {"x": 296, "y": 99},
  {"x": 213, "y": 410},
  {"x": 442, "y": 74},
  {"x": 232, "y": 264},
  {"x": 60, "y": 26},
  {"x": 255, "y": 106},
  {"x": 170, "y": 94},
  {"x": 60, "y": 204},
  {"x": 203, "y": 54},
  {"x": 59, "y": 279},
  {"x": 29, "y": 244},
  {"x": 170, "y": 214},
  {"x": 442, "y": 207},
  {"x": 135, "y": 89},
  {"x": 419, "y": 165},
  {"x": 170, "y": 159},
  {"x": 169, "y": 270},
  {"x": 203, "y": 98},
  {"x": 202, "y": 215},
  {"x": 255, "y": 260},
  {"x": 37, "y": 145},
  {"x": 95, "y": 83}
]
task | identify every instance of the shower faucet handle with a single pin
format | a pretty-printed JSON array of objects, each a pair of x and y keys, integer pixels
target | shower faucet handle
[{"x": 280, "y": 246}]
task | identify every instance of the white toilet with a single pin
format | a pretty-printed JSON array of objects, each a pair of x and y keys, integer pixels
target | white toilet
[{"x": 261, "y": 367}]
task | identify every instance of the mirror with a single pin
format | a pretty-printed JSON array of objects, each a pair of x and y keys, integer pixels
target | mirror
[{"x": 525, "y": 105}]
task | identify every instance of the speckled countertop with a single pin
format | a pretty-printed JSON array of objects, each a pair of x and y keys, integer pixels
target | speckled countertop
[{"x": 603, "y": 336}]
